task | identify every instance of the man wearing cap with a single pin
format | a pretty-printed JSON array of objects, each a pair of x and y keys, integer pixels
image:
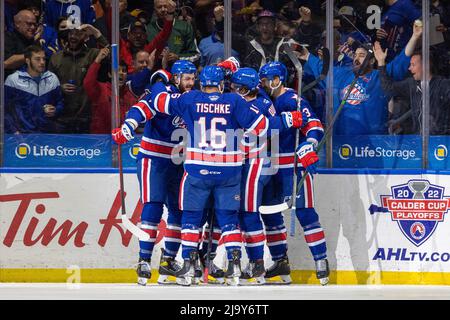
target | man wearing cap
[
  {"x": 137, "y": 36},
  {"x": 181, "y": 42},
  {"x": 265, "y": 47},
  {"x": 71, "y": 65}
]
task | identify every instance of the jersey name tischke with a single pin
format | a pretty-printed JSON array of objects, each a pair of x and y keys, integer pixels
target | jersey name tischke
[{"x": 221, "y": 108}]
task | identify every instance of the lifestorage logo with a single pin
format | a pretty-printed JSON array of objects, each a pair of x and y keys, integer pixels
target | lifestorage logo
[
  {"x": 345, "y": 151},
  {"x": 45, "y": 150},
  {"x": 22, "y": 150},
  {"x": 377, "y": 151},
  {"x": 417, "y": 206},
  {"x": 441, "y": 152}
]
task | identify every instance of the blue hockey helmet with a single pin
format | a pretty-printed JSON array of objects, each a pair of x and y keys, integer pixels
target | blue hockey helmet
[
  {"x": 273, "y": 69},
  {"x": 183, "y": 66},
  {"x": 246, "y": 77},
  {"x": 211, "y": 76}
]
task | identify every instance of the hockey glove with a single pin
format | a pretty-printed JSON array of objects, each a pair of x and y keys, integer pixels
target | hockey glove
[
  {"x": 123, "y": 134},
  {"x": 307, "y": 157},
  {"x": 293, "y": 119},
  {"x": 230, "y": 64}
]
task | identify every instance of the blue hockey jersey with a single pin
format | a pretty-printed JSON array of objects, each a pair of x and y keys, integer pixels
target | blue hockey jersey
[
  {"x": 311, "y": 131},
  {"x": 212, "y": 120},
  {"x": 159, "y": 128}
]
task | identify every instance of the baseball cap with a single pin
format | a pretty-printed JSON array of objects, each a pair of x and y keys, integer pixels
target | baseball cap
[
  {"x": 266, "y": 14},
  {"x": 346, "y": 11},
  {"x": 136, "y": 24}
]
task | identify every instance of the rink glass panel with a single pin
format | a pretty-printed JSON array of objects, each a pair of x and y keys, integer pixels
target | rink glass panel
[{"x": 398, "y": 148}]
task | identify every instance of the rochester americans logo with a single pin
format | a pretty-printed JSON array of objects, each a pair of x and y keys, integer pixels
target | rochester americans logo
[
  {"x": 357, "y": 95},
  {"x": 417, "y": 206}
]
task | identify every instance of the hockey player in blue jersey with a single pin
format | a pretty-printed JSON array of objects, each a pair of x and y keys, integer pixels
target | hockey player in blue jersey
[
  {"x": 159, "y": 169},
  {"x": 273, "y": 76},
  {"x": 255, "y": 176},
  {"x": 213, "y": 162}
]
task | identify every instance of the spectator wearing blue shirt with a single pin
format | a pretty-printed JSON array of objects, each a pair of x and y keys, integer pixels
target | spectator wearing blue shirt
[
  {"x": 212, "y": 48},
  {"x": 366, "y": 109},
  {"x": 396, "y": 25},
  {"x": 33, "y": 98},
  {"x": 78, "y": 11}
]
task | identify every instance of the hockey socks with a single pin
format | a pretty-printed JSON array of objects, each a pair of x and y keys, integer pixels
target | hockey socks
[
  {"x": 253, "y": 232},
  {"x": 190, "y": 234},
  {"x": 172, "y": 237},
  {"x": 231, "y": 235},
  {"x": 150, "y": 218},
  {"x": 314, "y": 235},
  {"x": 276, "y": 235}
]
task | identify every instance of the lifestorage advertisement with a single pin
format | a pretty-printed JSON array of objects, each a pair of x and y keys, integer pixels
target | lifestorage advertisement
[{"x": 380, "y": 229}]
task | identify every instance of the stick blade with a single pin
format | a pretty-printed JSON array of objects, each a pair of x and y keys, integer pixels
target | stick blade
[
  {"x": 143, "y": 236},
  {"x": 274, "y": 208}
]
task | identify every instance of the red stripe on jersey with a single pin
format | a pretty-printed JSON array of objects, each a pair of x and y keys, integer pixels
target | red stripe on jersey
[
  {"x": 310, "y": 125},
  {"x": 190, "y": 237},
  {"x": 145, "y": 182},
  {"x": 255, "y": 238},
  {"x": 313, "y": 237},
  {"x": 276, "y": 237},
  {"x": 234, "y": 237},
  {"x": 173, "y": 234},
  {"x": 309, "y": 201},
  {"x": 156, "y": 147},
  {"x": 180, "y": 193},
  {"x": 260, "y": 127},
  {"x": 145, "y": 109},
  {"x": 192, "y": 155},
  {"x": 285, "y": 160},
  {"x": 251, "y": 192},
  {"x": 161, "y": 101}
]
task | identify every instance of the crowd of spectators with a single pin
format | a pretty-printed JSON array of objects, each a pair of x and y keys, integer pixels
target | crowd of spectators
[{"x": 66, "y": 86}]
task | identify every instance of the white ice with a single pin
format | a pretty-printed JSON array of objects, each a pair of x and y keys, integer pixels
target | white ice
[{"x": 84, "y": 291}]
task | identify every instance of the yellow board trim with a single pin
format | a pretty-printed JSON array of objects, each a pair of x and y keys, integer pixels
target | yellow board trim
[{"x": 298, "y": 276}]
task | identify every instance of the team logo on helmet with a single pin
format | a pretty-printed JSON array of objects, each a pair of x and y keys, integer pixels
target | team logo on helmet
[
  {"x": 417, "y": 206},
  {"x": 211, "y": 76}
]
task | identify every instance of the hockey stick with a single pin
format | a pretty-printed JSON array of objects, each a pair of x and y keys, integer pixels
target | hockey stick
[
  {"x": 143, "y": 236},
  {"x": 288, "y": 204},
  {"x": 323, "y": 74},
  {"x": 208, "y": 251},
  {"x": 299, "y": 68}
]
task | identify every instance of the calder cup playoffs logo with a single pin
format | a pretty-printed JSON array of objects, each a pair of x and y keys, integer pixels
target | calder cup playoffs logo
[{"x": 417, "y": 206}]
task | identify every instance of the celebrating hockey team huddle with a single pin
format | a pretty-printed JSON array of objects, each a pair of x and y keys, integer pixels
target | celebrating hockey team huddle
[{"x": 213, "y": 156}]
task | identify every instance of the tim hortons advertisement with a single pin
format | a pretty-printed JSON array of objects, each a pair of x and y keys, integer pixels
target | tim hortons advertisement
[{"x": 378, "y": 228}]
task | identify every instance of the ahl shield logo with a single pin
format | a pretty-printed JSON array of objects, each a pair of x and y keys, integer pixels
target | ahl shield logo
[{"x": 417, "y": 206}]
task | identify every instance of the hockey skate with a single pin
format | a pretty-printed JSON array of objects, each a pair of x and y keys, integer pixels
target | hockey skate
[
  {"x": 185, "y": 276},
  {"x": 168, "y": 269},
  {"x": 215, "y": 274},
  {"x": 322, "y": 271},
  {"x": 198, "y": 274},
  {"x": 233, "y": 272},
  {"x": 279, "y": 272},
  {"x": 253, "y": 274},
  {"x": 143, "y": 271}
]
